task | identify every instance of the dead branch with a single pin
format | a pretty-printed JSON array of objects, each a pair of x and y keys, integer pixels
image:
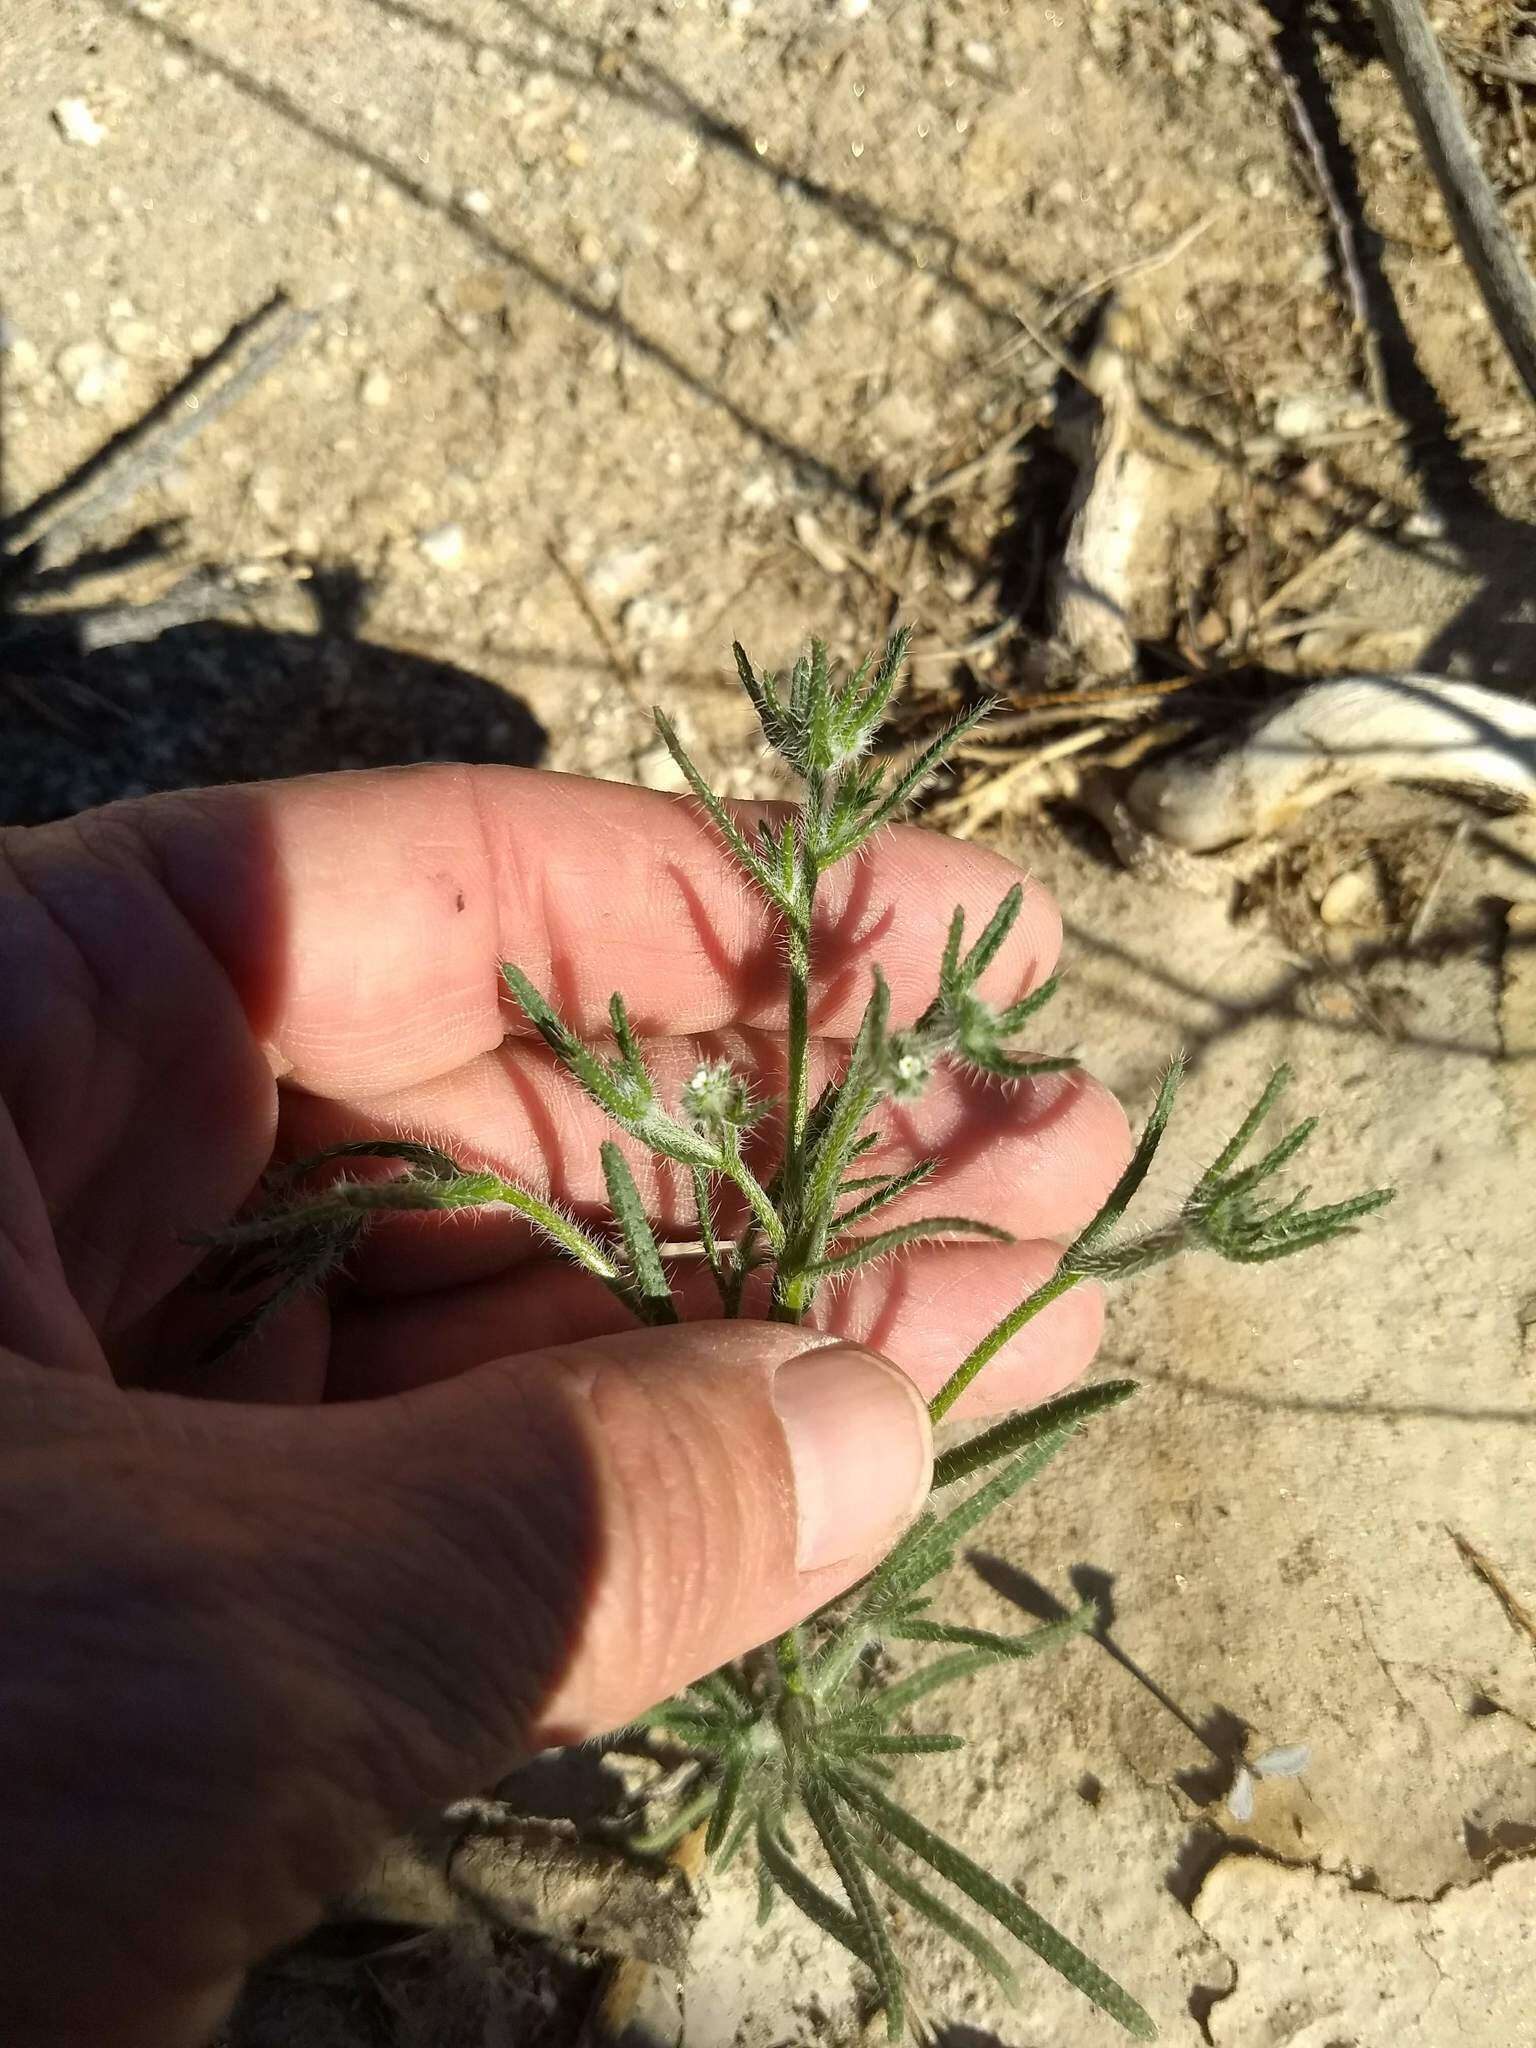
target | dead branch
[
  {"x": 1492, "y": 254},
  {"x": 247, "y": 354}
]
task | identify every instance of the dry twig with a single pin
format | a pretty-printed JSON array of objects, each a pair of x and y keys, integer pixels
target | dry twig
[{"x": 1491, "y": 251}]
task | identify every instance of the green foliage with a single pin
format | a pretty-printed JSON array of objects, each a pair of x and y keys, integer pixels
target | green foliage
[{"x": 803, "y": 1737}]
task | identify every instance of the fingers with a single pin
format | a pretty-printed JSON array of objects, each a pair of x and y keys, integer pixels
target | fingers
[
  {"x": 363, "y": 916},
  {"x": 925, "y": 1311},
  {"x": 1036, "y": 1160},
  {"x": 305, "y": 1628}
]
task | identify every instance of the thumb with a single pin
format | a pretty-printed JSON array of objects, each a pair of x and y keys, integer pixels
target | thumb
[
  {"x": 574, "y": 1534},
  {"x": 248, "y": 1644}
]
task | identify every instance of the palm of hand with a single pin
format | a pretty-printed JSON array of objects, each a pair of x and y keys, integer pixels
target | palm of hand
[{"x": 200, "y": 981}]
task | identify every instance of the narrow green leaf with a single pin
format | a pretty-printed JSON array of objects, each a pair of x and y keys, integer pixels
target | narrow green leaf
[
  {"x": 1000, "y": 1334},
  {"x": 1312, "y": 1227},
  {"x": 1007, "y": 1067},
  {"x": 1121, "y": 1194},
  {"x": 856, "y": 1742},
  {"x": 821, "y": 1809},
  {"x": 832, "y": 1150},
  {"x": 1278, "y": 1155},
  {"x": 673, "y": 1717},
  {"x": 428, "y": 1157},
  {"x": 870, "y": 708},
  {"x": 732, "y": 1779},
  {"x": 651, "y": 1282},
  {"x": 624, "y": 1036},
  {"x": 865, "y": 1251},
  {"x": 884, "y": 1704},
  {"x": 1004, "y": 1905},
  {"x": 719, "y": 816},
  {"x": 1051, "y": 1424},
  {"x": 818, "y": 1907},
  {"x": 704, "y": 1210},
  {"x": 731, "y": 1847},
  {"x": 764, "y": 698},
  {"x": 933, "y": 1909},
  {"x": 671, "y": 1831},
  {"x": 917, "y": 1631},
  {"x": 1017, "y": 1015},
  {"x": 624, "y": 1095},
  {"x": 885, "y": 1192},
  {"x": 987, "y": 947},
  {"x": 1237, "y": 1144},
  {"x": 949, "y": 966},
  {"x": 930, "y": 1544},
  {"x": 907, "y": 786},
  {"x": 727, "y": 1692}
]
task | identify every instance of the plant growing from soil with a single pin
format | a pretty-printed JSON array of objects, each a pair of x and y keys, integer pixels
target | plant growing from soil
[{"x": 800, "y": 1742}]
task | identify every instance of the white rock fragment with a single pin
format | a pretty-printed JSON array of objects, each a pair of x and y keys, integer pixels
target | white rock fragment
[
  {"x": 1302, "y": 415},
  {"x": 476, "y": 201},
  {"x": 77, "y": 123},
  {"x": 1336, "y": 736},
  {"x": 821, "y": 548},
  {"x": 22, "y": 362},
  {"x": 135, "y": 339},
  {"x": 654, "y": 618},
  {"x": 376, "y": 390},
  {"x": 621, "y": 572},
  {"x": 486, "y": 61},
  {"x": 91, "y": 373},
  {"x": 1228, "y": 45},
  {"x": 442, "y": 546}
]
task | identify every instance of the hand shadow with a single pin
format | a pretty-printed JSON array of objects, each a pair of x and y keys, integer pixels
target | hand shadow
[{"x": 212, "y": 702}]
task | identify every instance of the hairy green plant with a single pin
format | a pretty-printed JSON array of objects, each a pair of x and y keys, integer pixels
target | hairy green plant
[{"x": 802, "y": 1738}]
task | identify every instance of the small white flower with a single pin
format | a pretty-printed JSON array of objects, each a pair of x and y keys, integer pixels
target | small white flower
[
  {"x": 717, "y": 1097},
  {"x": 909, "y": 1069}
]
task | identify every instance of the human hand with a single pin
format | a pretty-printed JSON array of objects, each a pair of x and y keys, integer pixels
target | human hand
[{"x": 247, "y": 1637}]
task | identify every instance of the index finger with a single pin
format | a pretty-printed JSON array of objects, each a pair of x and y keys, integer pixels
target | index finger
[{"x": 387, "y": 898}]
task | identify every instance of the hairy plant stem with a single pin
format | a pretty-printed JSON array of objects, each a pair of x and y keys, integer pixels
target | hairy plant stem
[
  {"x": 1060, "y": 1283},
  {"x": 792, "y": 1291}
]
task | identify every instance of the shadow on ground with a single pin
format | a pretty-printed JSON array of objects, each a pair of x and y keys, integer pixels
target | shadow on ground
[{"x": 214, "y": 702}]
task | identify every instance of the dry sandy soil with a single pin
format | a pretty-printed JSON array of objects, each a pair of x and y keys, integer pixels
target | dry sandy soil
[{"x": 642, "y": 326}]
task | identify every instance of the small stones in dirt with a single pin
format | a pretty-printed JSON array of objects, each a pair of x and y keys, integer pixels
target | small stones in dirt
[
  {"x": 1355, "y": 898},
  {"x": 823, "y": 551},
  {"x": 23, "y": 360},
  {"x": 1228, "y": 45},
  {"x": 376, "y": 390},
  {"x": 621, "y": 572},
  {"x": 476, "y": 201},
  {"x": 135, "y": 339},
  {"x": 92, "y": 373},
  {"x": 654, "y": 618},
  {"x": 442, "y": 546},
  {"x": 76, "y": 121}
]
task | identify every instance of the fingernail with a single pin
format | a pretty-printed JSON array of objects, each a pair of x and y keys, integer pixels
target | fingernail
[{"x": 860, "y": 1448}]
